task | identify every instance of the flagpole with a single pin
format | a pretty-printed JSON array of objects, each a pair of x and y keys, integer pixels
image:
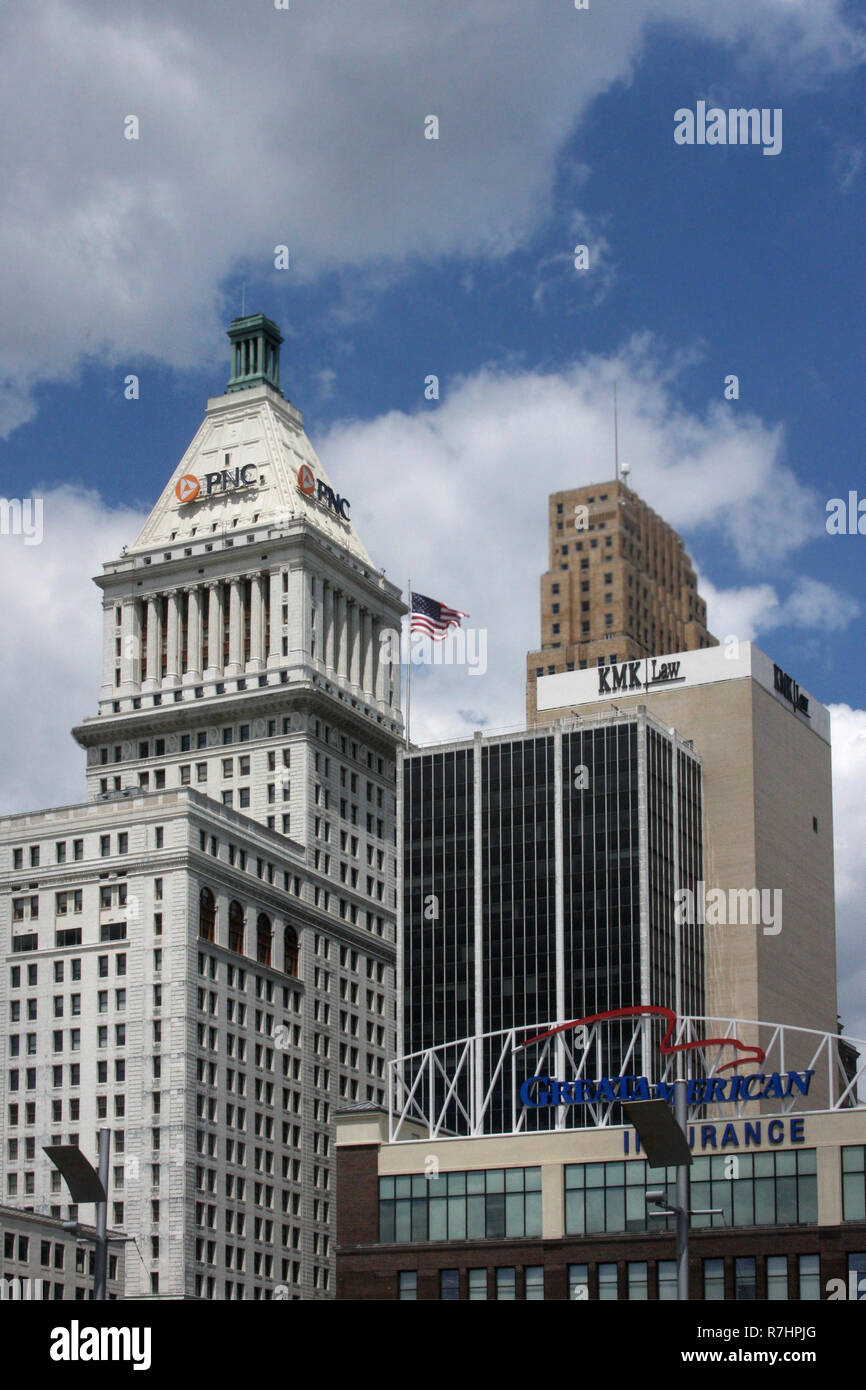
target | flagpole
[{"x": 409, "y": 666}]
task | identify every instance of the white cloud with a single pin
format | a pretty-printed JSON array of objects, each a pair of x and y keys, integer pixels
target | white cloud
[
  {"x": 52, "y": 639},
  {"x": 748, "y": 612},
  {"x": 302, "y": 126}
]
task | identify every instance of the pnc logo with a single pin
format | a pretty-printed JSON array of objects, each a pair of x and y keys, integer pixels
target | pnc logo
[
  {"x": 311, "y": 486},
  {"x": 306, "y": 480},
  {"x": 187, "y": 488}
]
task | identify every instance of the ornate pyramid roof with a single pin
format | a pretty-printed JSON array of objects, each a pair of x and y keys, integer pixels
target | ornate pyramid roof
[{"x": 250, "y": 463}]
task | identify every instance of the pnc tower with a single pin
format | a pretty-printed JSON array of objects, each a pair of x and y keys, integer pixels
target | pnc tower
[{"x": 201, "y": 956}]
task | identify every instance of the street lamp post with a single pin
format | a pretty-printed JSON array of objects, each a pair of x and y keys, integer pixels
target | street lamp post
[
  {"x": 87, "y": 1185},
  {"x": 683, "y": 1196},
  {"x": 664, "y": 1140}
]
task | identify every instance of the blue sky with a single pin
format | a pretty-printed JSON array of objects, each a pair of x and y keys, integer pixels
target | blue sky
[{"x": 452, "y": 257}]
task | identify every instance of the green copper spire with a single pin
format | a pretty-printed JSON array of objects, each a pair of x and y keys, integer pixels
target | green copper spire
[{"x": 255, "y": 353}]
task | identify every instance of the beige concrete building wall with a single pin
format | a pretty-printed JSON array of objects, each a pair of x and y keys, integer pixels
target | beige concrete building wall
[{"x": 792, "y": 796}]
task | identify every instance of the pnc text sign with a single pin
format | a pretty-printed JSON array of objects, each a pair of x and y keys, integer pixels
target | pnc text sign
[
  {"x": 313, "y": 487},
  {"x": 189, "y": 488}
]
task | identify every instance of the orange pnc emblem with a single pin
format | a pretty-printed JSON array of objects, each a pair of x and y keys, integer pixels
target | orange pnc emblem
[
  {"x": 306, "y": 479},
  {"x": 187, "y": 488}
]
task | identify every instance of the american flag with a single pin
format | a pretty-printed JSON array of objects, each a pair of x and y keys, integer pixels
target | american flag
[{"x": 433, "y": 618}]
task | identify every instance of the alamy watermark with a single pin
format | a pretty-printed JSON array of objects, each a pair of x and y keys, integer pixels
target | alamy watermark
[
  {"x": 22, "y": 518},
  {"x": 737, "y": 126},
  {"x": 462, "y": 647},
  {"x": 722, "y": 907},
  {"x": 846, "y": 518},
  {"x": 17, "y": 1290}
]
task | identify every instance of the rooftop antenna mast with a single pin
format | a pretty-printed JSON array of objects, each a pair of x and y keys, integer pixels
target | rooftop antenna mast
[
  {"x": 243, "y": 301},
  {"x": 622, "y": 469}
]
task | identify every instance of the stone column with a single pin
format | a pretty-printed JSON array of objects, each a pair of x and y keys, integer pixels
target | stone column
[
  {"x": 340, "y": 634},
  {"x": 154, "y": 645},
  {"x": 109, "y": 661},
  {"x": 172, "y": 640},
  {"x": 366, "y": 653},
  {"x": 354, "y": 644},
  {"x": 395, "y": 679},
  {"x": 328, "y": 614},
  {"x": 275, "y": 604},
  {"x": 236, "y": 629},
  {"x": 130, "y": 648},
  {"x": 257, "y": 625},
  {"x": 192, "y": 674},
  {"x": 214, "y": 634},
  {"x": 377, "y": 674},
  {"x": 297, "y": 599}
]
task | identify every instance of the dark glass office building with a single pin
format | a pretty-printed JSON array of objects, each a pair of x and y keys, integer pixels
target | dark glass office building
[{"x": 539, "y": 872}]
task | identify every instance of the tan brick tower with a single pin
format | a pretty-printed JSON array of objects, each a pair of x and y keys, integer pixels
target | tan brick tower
[{"x": 619, "y": 585}]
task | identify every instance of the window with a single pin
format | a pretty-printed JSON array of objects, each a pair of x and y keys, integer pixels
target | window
[
  {"x": 777, "y": 1278},
  {"x": 854, "y": 1182},
  {"x": 506, "y": 1284},
  {"x": 449, "y": 1285},
  {"x": 533, "y": 1277},
  {"x": 206, "y": 915},
  {"x": 408, "y": 1285},
  {"x": 745, "y": 1279},
  {"x": 637, "y": 1280},
  {"x": 809, "y": 1276},
  {"x": 667, "y": 1271},
  {"x": 607, "y": 1283},
  {"x": 477, "y": 1280},
  {"x": 857, "y": 1275},
  {"x": 263, "y": 939},
  {"x": 236, "y": 927},
  {"x": 772, "y": 1189},
  {"x": 290, "y": 950},
  {"x": 480, "y": 1205}
]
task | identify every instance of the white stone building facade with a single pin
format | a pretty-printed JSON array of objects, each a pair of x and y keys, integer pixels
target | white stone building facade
[{"x": 201, "y": 956}]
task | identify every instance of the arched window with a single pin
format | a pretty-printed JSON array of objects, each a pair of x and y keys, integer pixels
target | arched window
[
  {"x": 290, "y": 947},
  {"x": 236, "y": 927},
  {"x": 206, "y": 915},
  {"x": 263, "y": 939}
]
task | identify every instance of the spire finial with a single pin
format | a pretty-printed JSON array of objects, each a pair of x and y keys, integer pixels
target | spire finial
[{"x": 255, "y": 353}]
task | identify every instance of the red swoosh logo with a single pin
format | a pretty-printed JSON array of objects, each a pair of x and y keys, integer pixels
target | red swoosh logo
[{"x": 752, "y": 1053}]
